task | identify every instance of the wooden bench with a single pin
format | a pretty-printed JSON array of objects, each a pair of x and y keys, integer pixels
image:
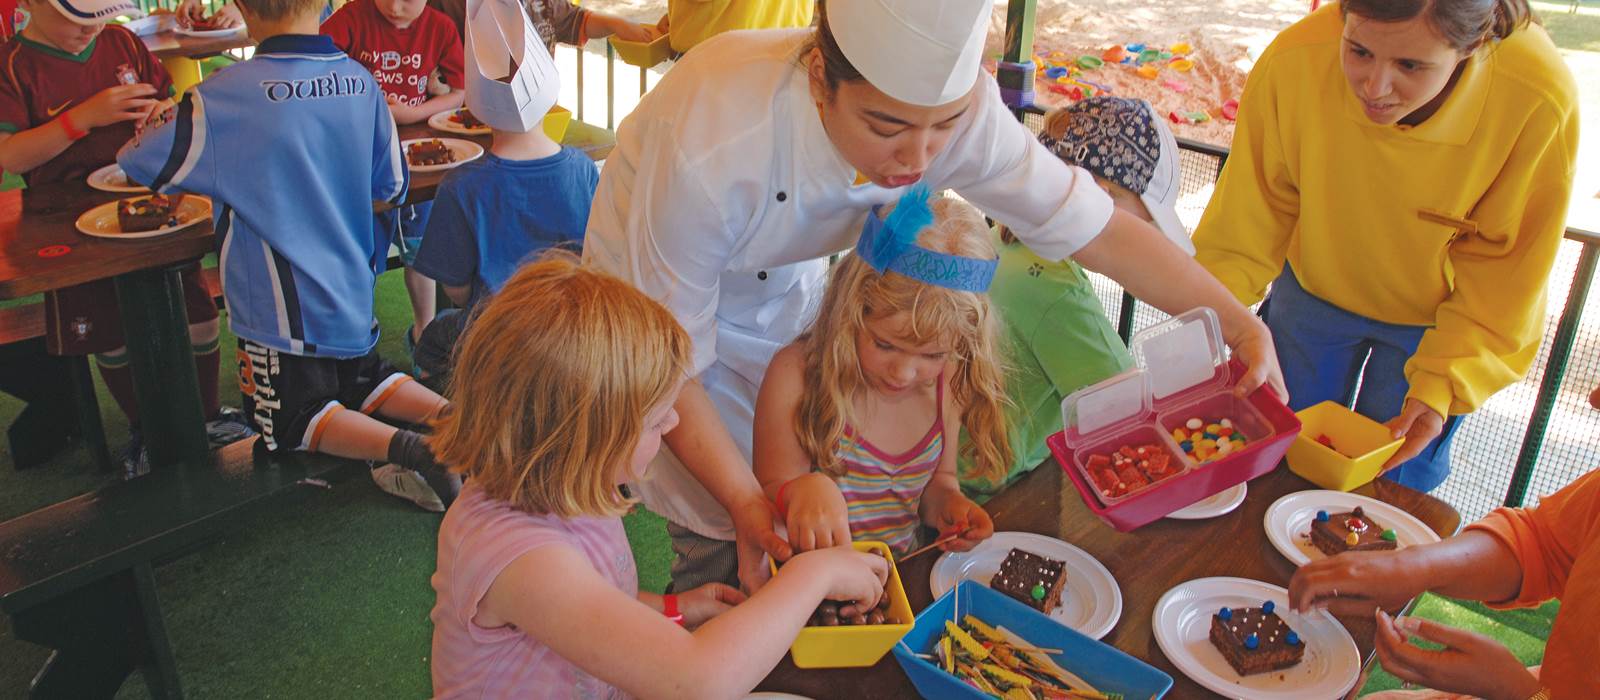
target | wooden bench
[{"x": 78, "y": 577}]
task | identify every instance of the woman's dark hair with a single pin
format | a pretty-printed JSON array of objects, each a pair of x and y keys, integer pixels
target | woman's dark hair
[
  {"x": 835, "y": 67},
  {"x": 1464, "y": 24}
]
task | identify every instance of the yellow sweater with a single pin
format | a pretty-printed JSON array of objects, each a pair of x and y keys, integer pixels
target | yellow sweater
[
  {"x": 1453, "y": 223},
  {"x": 693, "y": 21}
]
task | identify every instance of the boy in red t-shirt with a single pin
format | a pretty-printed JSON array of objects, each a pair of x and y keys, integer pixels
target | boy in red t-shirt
[
  {"x": 70, "y": 94},
  {"x": 402, "y": 42}
]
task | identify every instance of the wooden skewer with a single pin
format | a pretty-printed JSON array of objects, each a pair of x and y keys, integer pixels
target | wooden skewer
[{"x": 947, "y": 538}]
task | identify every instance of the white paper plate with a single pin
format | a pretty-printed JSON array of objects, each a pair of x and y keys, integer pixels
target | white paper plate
[
  {"x": 208, "y": 33},
  {"x": 1181, "y": 622},
  {"x": 1218, "y": 505},
  {"x": 1091, "y": 602},
  {"x": 442, "y": 122},
  {"x": 112, "y": 179},
  {"x": 1288, "y": 522},
  {"x": 465, "y": 151},
  {"x": 101, "y": 221}
]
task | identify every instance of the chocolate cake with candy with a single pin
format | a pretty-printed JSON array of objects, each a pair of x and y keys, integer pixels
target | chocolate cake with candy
[
  {"x": 1350, "y": 532},
  {"x": 1255, "y": 640}
]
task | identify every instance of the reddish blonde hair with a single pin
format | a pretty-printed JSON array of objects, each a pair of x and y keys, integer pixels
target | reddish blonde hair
[{"x": 551, "y": 386}]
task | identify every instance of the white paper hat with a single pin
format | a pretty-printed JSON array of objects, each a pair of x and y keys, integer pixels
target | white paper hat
[
  {"x": 511, "y": 77},
  {"x": 922, "y": 52}
]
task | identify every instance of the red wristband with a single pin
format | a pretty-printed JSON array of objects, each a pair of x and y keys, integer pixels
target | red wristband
[
  {"x": 777, "y": 499},
  {"x": 669, "y": 607},
  {"x": 73, "y": 132}
]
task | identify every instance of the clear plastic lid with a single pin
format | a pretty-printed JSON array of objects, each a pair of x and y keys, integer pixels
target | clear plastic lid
[
  {"x": 1112, "y": 405},
  {"x": 1182, "y": 354}
]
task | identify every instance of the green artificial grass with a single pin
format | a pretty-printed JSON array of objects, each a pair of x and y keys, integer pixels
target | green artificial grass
[{"x": 323, "y": 593}]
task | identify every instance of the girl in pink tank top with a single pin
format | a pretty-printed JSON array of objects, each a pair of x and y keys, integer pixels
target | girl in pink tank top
[
  {"x": 859, "y": 422},
  {"x": 563, "y": 389}
]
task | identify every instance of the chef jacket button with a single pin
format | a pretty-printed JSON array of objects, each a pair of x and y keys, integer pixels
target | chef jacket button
[
  {"x": 783, "y": 196},
  {"x": 762, "y": 275}
]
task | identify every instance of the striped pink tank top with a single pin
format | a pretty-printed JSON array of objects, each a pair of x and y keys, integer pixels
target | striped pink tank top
[{"x": 882, "y": 491}]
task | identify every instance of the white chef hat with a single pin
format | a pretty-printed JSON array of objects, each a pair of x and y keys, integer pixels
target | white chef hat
[
  {"x": 922, "y": 52},
  {"x": 511, "y": 77}
]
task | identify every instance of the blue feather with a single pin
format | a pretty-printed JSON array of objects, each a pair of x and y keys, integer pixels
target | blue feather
[{"x": 911, "y": 214}]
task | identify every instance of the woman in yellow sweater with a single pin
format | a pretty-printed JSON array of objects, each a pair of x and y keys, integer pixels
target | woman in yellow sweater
[{"x": 1400, "y": 175}]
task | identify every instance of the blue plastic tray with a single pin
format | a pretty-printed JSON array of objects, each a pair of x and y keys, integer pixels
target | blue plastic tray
[{"x": 1106, "y": 668}]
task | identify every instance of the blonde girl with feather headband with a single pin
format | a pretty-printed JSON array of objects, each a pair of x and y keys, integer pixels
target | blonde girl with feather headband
[{"x": 858, "y": 422}]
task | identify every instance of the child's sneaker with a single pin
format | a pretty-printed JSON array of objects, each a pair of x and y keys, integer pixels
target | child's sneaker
[
  {"x": 136, "y": 460},
  {"x": 396, "y": 480},
  {"x": 230, "y": 426}
]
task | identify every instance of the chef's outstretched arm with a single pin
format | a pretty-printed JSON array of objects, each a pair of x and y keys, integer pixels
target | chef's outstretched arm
[
  {"x": 1150, "y": 267},
  {"x": 702, "y": 443}
]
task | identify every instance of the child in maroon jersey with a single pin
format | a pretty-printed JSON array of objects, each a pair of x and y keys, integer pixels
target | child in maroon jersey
[
  {"x": 71, "y": 91},
  {"x": 402, "y": 42}
]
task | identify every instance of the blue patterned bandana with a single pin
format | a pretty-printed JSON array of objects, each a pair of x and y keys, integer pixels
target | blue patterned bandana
[
  {"x": 890, "y": 245},
  {"x": 1113, "y": 137}
]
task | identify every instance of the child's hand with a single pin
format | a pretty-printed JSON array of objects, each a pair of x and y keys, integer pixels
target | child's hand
[
  {"x": 852, "y": 576},
  {"x": 114, "y": 104},
  {"x": 1469, "y": 663},
  {"x": 706, "y": 602},
  {"x": 1354, "y": 583},
  {"x": 629, "y": 31},
  {"x": 815, "y": 513},
  {"x": 404, "y": 113},
  {"x": 967, "y": 520}
]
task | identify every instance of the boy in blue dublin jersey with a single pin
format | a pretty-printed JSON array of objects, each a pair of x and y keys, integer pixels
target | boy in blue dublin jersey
[{"x": 294, "y": 146}]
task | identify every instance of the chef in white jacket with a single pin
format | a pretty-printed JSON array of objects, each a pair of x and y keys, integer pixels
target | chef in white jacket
[{"x": 760, "y": 154}]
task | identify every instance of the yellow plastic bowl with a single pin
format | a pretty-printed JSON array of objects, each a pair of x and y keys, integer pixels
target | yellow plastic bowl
[
  {"x": 1354, "y": 434},
  {"x": 555, "y": 123},
  {"x": 857, "y": 646},
  {"x": 643, "y": 54}
]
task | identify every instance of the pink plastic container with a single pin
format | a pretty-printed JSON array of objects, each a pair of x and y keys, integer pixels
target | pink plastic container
[{"x": 1182, "y": 372}]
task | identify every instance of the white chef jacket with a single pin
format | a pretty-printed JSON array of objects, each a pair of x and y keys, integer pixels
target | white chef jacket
[{"x": 724, "y": 196}]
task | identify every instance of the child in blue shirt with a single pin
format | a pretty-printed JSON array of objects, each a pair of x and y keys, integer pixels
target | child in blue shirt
[
  {"x": 293, "y": 147},
  {"x": 527, "y": 194}
]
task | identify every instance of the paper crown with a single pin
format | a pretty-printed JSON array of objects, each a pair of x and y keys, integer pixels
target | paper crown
[
  {"x": 890, "y": 245},
  {"x": 511, "y": 77},
  {"x": 921, "y": 52}
]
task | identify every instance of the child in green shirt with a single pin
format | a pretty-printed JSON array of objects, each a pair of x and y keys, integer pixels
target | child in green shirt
[{"x": 1060, "y": 338}]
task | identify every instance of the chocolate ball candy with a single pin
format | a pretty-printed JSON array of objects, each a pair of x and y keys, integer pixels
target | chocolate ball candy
[{"x": 875, "y": 618}]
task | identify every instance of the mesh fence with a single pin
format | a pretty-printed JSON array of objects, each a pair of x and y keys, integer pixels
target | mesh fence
[{"x": 1485, "y": 451}]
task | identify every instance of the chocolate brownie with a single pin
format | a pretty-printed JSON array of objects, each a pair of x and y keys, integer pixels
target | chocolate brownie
[
  {"x": 1033, "y": 580},
  {"x": 147, "y": 213},
  {"x": 1255, "y": 640},
  {"x": 430, "y": 152},
  {"x": 1332, "y": 533}
]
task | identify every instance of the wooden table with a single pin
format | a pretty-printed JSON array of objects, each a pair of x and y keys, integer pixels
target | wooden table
[
  {"x": 165, "y": 45},
  {"x": 1146, "y": 563},
  {"x": 41, "y": 251}
]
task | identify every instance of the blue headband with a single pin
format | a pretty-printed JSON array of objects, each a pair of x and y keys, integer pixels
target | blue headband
[{"x": 890, "y": 245}]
